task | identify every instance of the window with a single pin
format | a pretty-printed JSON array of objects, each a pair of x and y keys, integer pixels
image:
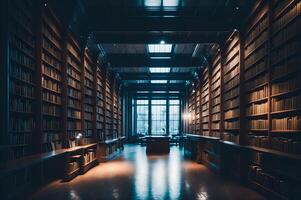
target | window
[
  {"x": 158, "y": 117},
  {"x": 159, "y": 81},
  {"x": 159, "y": 69},
  {"x": 159, "y": 48},
  {"x": 142, "y": 117},
  {"x": 160, "y": 123},
  {"x": 174, "y": 117}
]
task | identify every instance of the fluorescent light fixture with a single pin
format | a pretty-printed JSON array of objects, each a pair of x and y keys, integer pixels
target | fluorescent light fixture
[
  {"x": 160, "y": 57},
  {"x": 152, "y": 2},
  {"x": 159, "y": 81},
  {"x": 170, "y": 2},
  {"x": 159, "y": 69},
  {"x": 159, "y": 48}
]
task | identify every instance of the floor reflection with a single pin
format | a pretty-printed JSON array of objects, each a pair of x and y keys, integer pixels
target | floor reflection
[{"x": 140, "y": 177}]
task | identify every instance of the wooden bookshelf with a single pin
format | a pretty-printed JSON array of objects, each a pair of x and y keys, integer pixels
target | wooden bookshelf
[
  {"x": 89, "y": 102},
  {"x": 51, "y": 80},
  {"x": 74, "y": 87},
  {"x": 231, "y": 88},
  {"x": 215, "y": 98},
  {"x": 205, "y": 102},
  {"x": 198, "y": 127},
  {"x": 191, "y": 110},
  {"x": 256, "y": 74},
  {"x": 108, "y": 107},
  {"x": 100, "y": 122},
  {"x": 22, "y": 76}
]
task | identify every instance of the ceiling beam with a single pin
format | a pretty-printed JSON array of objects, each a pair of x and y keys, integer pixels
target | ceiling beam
[
  {"x": 155, "y": 87},
  {"x": 160, "y": 23},
  {"x": 156, "y": 37},
  {"x": 142, "y": 60},
  {"x": 156, "y": 76}
]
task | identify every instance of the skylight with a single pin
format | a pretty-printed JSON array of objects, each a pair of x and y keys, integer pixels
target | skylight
[
  {"x": 159, "y": 69},
  {"x": 159, "y": 81},
  {"x": 152, "y": 2},
  {"x": 159, "y": 48}
]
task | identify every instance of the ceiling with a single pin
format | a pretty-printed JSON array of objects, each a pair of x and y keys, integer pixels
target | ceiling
[{"x": 120, "y": 31}]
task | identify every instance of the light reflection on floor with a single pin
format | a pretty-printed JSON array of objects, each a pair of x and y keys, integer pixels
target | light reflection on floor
[{"x": 140, "y": 177}]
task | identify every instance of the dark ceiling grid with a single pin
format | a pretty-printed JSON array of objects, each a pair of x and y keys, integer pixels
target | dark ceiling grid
[{"x": 121, "y": 29}]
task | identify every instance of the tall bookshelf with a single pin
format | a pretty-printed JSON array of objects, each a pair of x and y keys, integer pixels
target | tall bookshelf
[
  {"x": 205, "y": 102},
  {"x": 191, "y": 111},
  {"x": 74, "y": 88},
  {"x": 198, "y": 126},
  {"x": 100, "y": 109},
  {"x": 108, "y": 107},
  {"x": 51, "y": 80},
  {"x": 89, "y": 102},
  {"x": 115, "y": 109},
  {"x": 215, "y": 98},
  {"x": 22, "y": 75},
  {"x": 256, "y": 74},
  {"x": 285, "y": 89},
  {"x": 231, "y": 76},
  {"x": 120, "y": 104}
]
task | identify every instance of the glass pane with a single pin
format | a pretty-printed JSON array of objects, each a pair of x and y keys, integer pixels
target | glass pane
[
  {"x": 174, "y": 117},
  {"x": 158, "y": 117},
  {"x": 142, "y": 117}
]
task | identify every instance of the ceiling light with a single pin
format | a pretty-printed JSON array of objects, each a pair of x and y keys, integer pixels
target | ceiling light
[
  {"x": 161, "y": 57},
  {"x": 159, "y": 81},
  {"x": 159, "y": 69},
  {"x": 159, "y": 48},
  {"x": 162, "y": 42}
]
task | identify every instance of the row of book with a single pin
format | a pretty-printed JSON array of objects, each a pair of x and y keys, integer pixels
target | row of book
[
  {"x": 48, "y": 60},
  {"x": 259, "y": 124},
  {"x": 51, "y": 97},
  {"x": 258, "y": 94},
  {"x": 21, "y": 105},
  {"x": 231, "y": 103},
  {"x": 51, "y": 85},
  {"x": 258, "y": 81},
  {"x": 287, "y": 123},
  {"x": 290, "y": 31},
  {"x": 216, "y": 108},
  {"x": 261, "y": 24},
  {"x": 256, "y": 69},
  {"x": 256, "y": 57},
  {"x": 52, "y": 124},
  {"x": 286, "y": 145},
  {"x": 73, "y": 73},
  {"x": 74, "y": 83},
  {"x": 232, "y": 93},
  {"x": 50, "y": 48},
  {"x": 19, "y": 139},
  {"x": 256, "y": 109},
  {"x": 231, "y": 124},
  {"x": 291, "y": 65},
  {"x": 234, "y": 82},
  {"x": 51, "y": 72},
  {"x": 22, "y": 59},
  {"x": 231, "y": 74},
  {"x": 255, "y": 44},
  {"x": 231, "y": 113},
  {"x": 74, "y": 93},
  {"x": 289, "y": 49},
  {"x": 51, "y": 110},
  {"x": 291, "y": 13},
  {"x": 290, "y": 103},
  {"x": 74, "y": 114},
  {"x": 20, "y": 125},
  {"x": 286, "y": 86}
]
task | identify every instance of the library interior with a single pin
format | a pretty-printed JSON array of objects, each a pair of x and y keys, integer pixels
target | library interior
[{"x": 150, "y": 99}]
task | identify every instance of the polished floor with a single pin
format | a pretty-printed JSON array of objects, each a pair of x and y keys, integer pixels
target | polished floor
[{"x": 139, "y": 177}]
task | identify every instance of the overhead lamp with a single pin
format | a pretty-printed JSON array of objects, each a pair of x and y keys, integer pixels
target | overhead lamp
[{"x": 162, "y": 42}]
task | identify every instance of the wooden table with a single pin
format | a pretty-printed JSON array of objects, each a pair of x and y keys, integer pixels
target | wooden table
[{"x": 157, "y": 144}]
